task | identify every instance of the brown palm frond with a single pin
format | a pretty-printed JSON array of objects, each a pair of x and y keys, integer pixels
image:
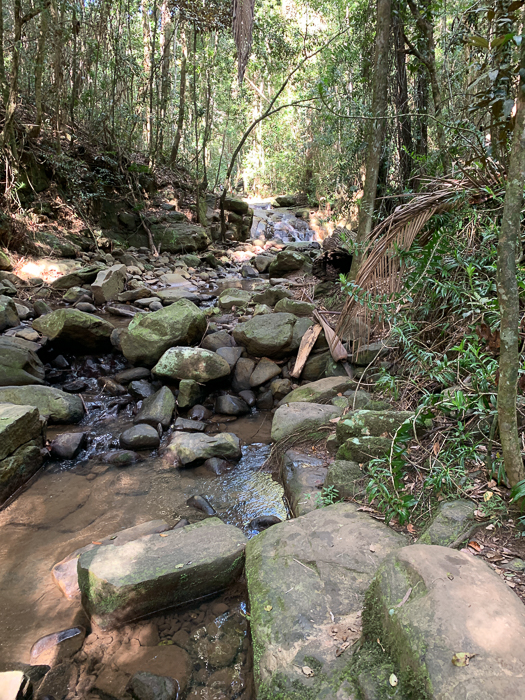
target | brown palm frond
[
  {"x": 381, "y": 272},
  {"x": 243, "y": 11}
]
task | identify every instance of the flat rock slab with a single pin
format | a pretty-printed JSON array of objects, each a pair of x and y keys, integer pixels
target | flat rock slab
[
  {"x": 453, "y": 523},
  {"x": 428, "y": 603},
  {"x": 321, "y": 390},
  {"x": 295, "y": 417},
  {"x": 159, "y": 571},
  {"x": 190, "y": 449},
  {"x": 54, "y": 405},
  {"x": 305, "y": 576}
]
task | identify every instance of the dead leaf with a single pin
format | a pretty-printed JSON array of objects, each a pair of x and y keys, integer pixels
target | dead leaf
[
  {"x": 96, "y": 543},
  {"x": 268, "y": 608},
  {"x": 435, "y": 448},
  {"x": 487, "y": 496},
  {"x": 382, "y": 647},
  {"x": 307, "y": 671},
  {"x": 474, "y": 545},
  {"x": 163, "y": 534},
  {"x": 342, "y": 648},
  {"x": 372, "y": 548},
  {"x": 511, "y": 584},
  {"x": 461, "y": 658},
  {"x": 335, "y": 420},
  {"x": 411, "y": 528},
  {"x": 393, "y": 680},
  {"x": 479, "y": 515}
]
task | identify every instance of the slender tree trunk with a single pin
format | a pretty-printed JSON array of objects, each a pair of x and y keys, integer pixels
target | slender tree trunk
[
  {"x": 11, "y": 101},
  {"x": 39, "y": 70},
  {"x": 509, "y": 242},
  {"x": 182, "y": 103},
  {"x": 376, "y": 131},
  {"x": 75, "y": 74},
  {"x": 4, "y": 90},
  {"x": 404, "y": 126},
  {"x": 421, "y": 136},
  {"x": 166, "y": 34}
]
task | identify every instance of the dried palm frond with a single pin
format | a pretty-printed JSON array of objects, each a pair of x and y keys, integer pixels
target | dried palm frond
[
  {"x": 243, "y": 11},
  {"x": 381, "y": 272}
]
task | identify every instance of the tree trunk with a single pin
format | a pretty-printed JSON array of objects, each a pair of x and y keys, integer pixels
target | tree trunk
[
  {"x": 421, "y": 140},
  {"x": 404, "y": 126},
  {"x": 376, "y": 132},
  {"x": 4, "y": 91},
  {"x": 182, "y": 94},
  {"x": 509, "y": 241},
  {"x": 11, "y": 101},
  {"x": 39, "y": 69},
  {"x": 166, "y": 34}
]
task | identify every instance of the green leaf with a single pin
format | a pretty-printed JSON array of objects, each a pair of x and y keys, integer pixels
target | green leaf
[
  {"x": 476, "y": 40},
  {"x": 500, "y": 40}
]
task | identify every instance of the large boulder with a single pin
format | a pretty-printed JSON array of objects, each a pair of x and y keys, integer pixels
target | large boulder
[
  {"x": 191, "y": 363},
  {"x": 372, "y": 423},
  {"x": 286, "y": 261},
  {"x": 307, "y": 580},
  {"x": 190, "y": 449},
  {"x": 157, "y": 408},
  {"x": 238, "y": 206},
  {"x": 75, "y": 329},
  {"x": 286, "y": 200},
  {"x": 452, "y": 523},
  {"x": 300, "y": 417},
  {"x": 109, "y": 284},
  {"x": 8, "y": 314},
  {"x": 180, "y": 237},
  {"x": 149, "y": 335},
  {"x": 153, "y": 573},
  {"x": 269, "y": 335},
  {"x": 54, "y": 405},
  {"x": 321, "y": 390},
  {"x": 346, "y": 478},
  {"x": 84, "y": 275},
  {"x": 302, "y": 476},
  {"x": 19, "y": 365},
  {"x": 364, "y": 449},
  {"x": 272, "y": 295},
  {"x": 431, "y": 607},
  {"x": 234, "y": 297},
  {"x": 298, "y": 308},
  {"x": 21, "y": 443}
]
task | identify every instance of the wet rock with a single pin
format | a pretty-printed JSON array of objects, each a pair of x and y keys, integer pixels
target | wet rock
[
  {"x": 85, "y": 275},
  {"x": 201, "y": 503},
  {"x": 298, "y": 308},
  {"x": 190, "y": 393},
  {"x": 191, "y": 363},
  {"x": 248, "y": 272},
  {"x": 147, "y": 686},
  {"x": 140, "y": 389},
  {"x": 243, "y": 371},
  {"x": 120, "y": 458},
  {"x": 186, "y": 425},
  {"x": 217, "y": 466},
  {"x": 303, "y": 575},
  {"x": 74, "y": 328},
  {"x": 265, "y": 370},
  {"x": 132, "y": 374},
  {"x": 268, "y": 336},
  {"x": 8, "y": 315},
  {"x": 157, "y": 408},
  {"x": 111, "y": 387},
  {"x": 190, "y": 449},
  {"x": 214, "y": 341},
  {"x": 140, "y": 437},
  {"x": 76, "y": 386},
  {"x": 234, "y": 297},
  {"x": 452, "y": 524},
  {"x": 19, "y": 366},
  {"x": 248, "y": 396},
  {"x": 86, "y": 307},
  {"x": 346, "y": 477},
  {"x": 150, "y": 335},
  {"x": 41, "y": 308},
  {"x": 54, "y": 405},
  {"x": 301, "y": 417},
  {"x": 58, "y": 647},
  {"x": 280, "y": 388},
  {"x": 460, "y": 605},
  {"x": 21, "y": 443},
  {"x": 231, "y": 355},
  {"x": 263, "y": 522},
  {"x": 262, "y": 262},
  {"x": 286, "y": 261},
  {"x": 321, "y": 390},
  {"x": 272, "y": 295},
  {"x": 153, "y": 573},
  {"x": 199, "y": 413},
  {"x": 231, "y": 405},
  {"x": 74, "y": 294},
  {"x": 302, "y": 476},
  {"x": 265, "y": 401},
  {"x": 363, "y": 449},
  {"x": 371, "y": 423},
  {"x": 67, "y": 445}
]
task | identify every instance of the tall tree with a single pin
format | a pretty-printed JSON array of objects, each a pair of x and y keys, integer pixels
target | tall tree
[
  {"x": 376, "y": 131},
  {"x": 404, "y": 126}
]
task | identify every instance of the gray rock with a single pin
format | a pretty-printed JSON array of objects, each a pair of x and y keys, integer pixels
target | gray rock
[
  {"x": 180, "y": 237},
  {"x": 67, "y": 445},
  {"x": 190, "y": 393},
  {"x": 243, "y": 371},
  {"x": 19, "y": 366},
  {"x": 272, "y": 295},
  {"x": 8, "y": 315},
  {"x": 306, "y": 576},
  {"x": 300, "y": 328},
  {"x": 363, "y": 449},
  {"x": 372, "y": 423},
  {"x": 231, "y": 355},
  {"x": 248, "y": 396},
  {"x": 321, "y": 390},
  {"x": 231, "y": 405},
  {"x": 189, "y": 449},
  {"x": 140, "y": 389},
  {"x": 150, "y": 335},
  {"x": 86, "y": 307},
  {"x": 54, "y": 405},
  {"x": 262, "y": 262},
  {"x": 286, "y": 200},
  {"x": 74, "y": 294},
  {"x": 247, "y": 271},
  {"x": 217, "y": 466},
  {"x": 368, "y": 353},
  {"x": 75, "y": 329},
  {"x": 302, "y": 477},
  {"x": 153, "y": 573},
  {"x": 299, "y": 417},
  {"x": 132, "y": 374},
  {"x": 269, "y": 335},
  {"x": 315, "y": 367},
  {"x": 187, "y": 425},
  {"x": 265, "y": 370},
  {"x": 57, "y": 647},
  {"x": 84, "y": 275},
  {"x": 157, "y": 408},
  {"x": 298, "y": 308},
  {"x": 21, "y": 443},
  {"x": 214, "y": 341},
  {"x": 346, "y": 477},
  {"x": 234, "y": 297},
  {"x": 265, "y": 401},
  {"x": 140, "y": 437},
  {"x": 191, "y": 363},
  {"x": 262, "y": 310},
  {"x": 286, "y": 261},
  {"x": 147, "y": 686},
  {"x": 427, "y": 604},
  {"x": 120, "y": 458},
  {"x": 239, "y": 206},
  {"x": 452, "y": 524},
  {"x": 41, "y": 308},
  {"x": 280, "y": 388}
]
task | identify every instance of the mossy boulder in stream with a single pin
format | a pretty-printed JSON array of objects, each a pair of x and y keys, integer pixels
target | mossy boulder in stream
[
  {"x": 54, "y": 405},
  {"x": 300, "y": 417},
  {"x": 180, "y": 237},
  {"x": 84, "y": 275},
  {"x": 319, "y": 391},
  {"x": 150, "y": 335},
  {"x": 430, "y": 606},
  {"x": 266, "y": 336},
  {"x": 191, "y": 363},
  {"x": 307, "y": 577},
  {"x": 153, "y": 573},
  {"x": 74, "y": 329},
  {"x": 371, "y": 423},
  {"x": 19, "y": 365}
]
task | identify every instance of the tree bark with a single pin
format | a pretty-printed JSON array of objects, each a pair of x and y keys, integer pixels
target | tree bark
[
  {"x": 4, "y": 91},
  {"x": 404, "y": 126},
  {"x": 39, "y": 69},
  {"x": 376, "y": 132},
  {"x": 182, "y": 104},
  {"x": 509, "y": 241}
]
